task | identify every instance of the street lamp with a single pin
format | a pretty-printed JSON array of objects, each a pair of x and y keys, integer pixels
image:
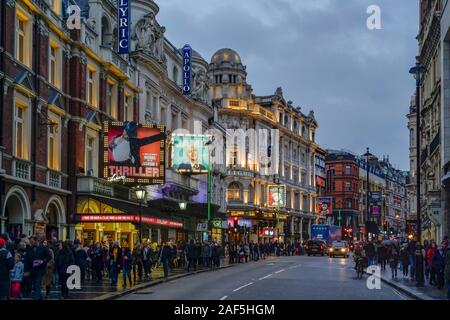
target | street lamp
[
  {"x": 183, "y": 205},
  {"x": 417, "y": 71},
  {"x": 368, "y": 155},
  {"x": 397, "y": 217},
  {"x": 141, "y": 192}
]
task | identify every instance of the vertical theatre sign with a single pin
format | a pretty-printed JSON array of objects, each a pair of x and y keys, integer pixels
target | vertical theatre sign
[
  {"x": 187, "y": 66},
  {"x": 123, "y": 12}
]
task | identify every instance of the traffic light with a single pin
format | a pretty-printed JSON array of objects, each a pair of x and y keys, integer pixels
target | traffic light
[
  {"x": 235, "y": 222},
  {"x": 385, "y": 226}
]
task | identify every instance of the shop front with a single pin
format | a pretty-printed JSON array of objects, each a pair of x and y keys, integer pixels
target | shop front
[{"x": 113, "y": 220}]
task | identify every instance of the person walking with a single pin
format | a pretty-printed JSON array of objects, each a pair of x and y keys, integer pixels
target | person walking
[
  {"x": 438, "y": 265},
  {"x": 64, "y": 259},
  {"x": 97, "y": 262},
  {"x": 191, "y": 256},
  {"x": 370, "y": 252},
  {"x": 429, "y": 266},
  {"x": 198, "y": 254},
  {"x": 126, "y": 265},
  {"x": 16, "y": 277},
  {"x": 246, "y": 252},
  {"x": 115, "y": 258},
  {"x": 36, "y": 265},
  {"x": 81, "y": 259},
  {"x": 165, "y": 257},
  {"x": 404, "y": 257},
  {"x": 262, "y": 251},
  {"x": 412, "y": 253},
  {"x": 447, "y": 271},
  {"x": 6, "y": 265},
  {"x": 137, "y": 261},
  {"x": 147, "y": 256},
  {"x": 393, "y": 260},
  {"x": 48, "y": 277}
]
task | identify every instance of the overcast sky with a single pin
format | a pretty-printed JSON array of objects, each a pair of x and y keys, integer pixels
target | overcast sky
[{"x": 322, "y": 55}]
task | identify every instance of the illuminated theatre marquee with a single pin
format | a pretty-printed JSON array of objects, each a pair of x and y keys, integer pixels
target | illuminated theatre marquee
[{"x": 134, "y": 152}]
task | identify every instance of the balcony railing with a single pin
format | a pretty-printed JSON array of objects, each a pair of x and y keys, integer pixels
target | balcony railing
[
  {"x": 54, "y": 179},
  {"x": 97, "y": 186},
  {"x": 22, "y": 169},
  {"x": 182, "y": 180}
]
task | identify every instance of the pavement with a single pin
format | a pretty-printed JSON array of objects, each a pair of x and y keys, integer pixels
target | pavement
[
  {"x": 281, "y": 278},
  {"x": 91, "y": 290},
  {"x": 408, "y": 287}
]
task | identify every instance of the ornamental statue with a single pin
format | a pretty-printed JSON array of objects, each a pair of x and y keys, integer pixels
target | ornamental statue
[
  {"x": 200, "y": 85},
  {"x": 150, "y": 37}
]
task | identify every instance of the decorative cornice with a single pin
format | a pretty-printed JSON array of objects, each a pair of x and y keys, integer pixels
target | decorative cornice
[{"x": 43, "y": 29}]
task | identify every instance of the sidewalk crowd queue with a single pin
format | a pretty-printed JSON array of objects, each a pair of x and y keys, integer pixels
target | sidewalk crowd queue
[
  {"x": 30, "y": 265},
  {"x": 409, "y": 256}
]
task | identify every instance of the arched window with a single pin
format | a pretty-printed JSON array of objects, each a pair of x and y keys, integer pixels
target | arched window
[
  {"x": 114, "y": 41},
  {"x": 106, "y": 33},
  {"x": 175, "y": 74},
  {"x": 234, "y": 192}
]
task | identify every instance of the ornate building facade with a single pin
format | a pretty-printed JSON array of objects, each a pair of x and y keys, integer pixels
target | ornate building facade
[
  {"x": 248, "y": 178},
  {"x": 430, "y": 126}
]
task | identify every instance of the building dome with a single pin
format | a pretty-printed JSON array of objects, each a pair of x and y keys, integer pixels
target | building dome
[{"x": 226, "y": 55}]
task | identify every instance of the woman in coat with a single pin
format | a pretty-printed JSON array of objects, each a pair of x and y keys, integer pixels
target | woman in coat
[
  {"x": 165, "y": 257},
  {"x": 126, "y": 265},
  {"x": 64, "y": 259},
  {"x": 430, "y": 252},
  {"x": 48, "y": 277},
  {"x": 393, "y": 260},
  {"x": 404, "y": 256}
]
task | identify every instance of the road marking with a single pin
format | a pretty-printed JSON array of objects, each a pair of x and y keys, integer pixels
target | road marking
[
  {"x": 399, "y": 294},
  {"x": 293, "y": 267},
  {"x": 280, "y": 271},
  {"x": 248, "y": 284},
  {"x": 265, "y": 277},
  {"x": 224, "y": 297}
]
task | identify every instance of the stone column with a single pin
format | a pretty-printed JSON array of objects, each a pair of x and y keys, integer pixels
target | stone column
[{"x": 309, "y": 228}]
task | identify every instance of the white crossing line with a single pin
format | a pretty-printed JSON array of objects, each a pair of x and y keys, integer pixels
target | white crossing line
[
  {"x": 280, "y": 271},
  {"x": 248, "y": 284},
  {"x": 224, "y": 297},
  {"x": 265, "y": 277}
]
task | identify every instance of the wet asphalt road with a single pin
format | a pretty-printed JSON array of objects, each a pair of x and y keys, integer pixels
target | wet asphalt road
[{"x": 282, "y": 278}]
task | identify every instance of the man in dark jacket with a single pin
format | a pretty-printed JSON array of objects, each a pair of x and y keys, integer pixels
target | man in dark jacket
[
  {"x": 165, "y": 258},
  {"x": 191, "y": 255},
  {"x": 6, "y": 265},
  {"x": 36, "y": 262},
  {"x": 115, "y": 260}
]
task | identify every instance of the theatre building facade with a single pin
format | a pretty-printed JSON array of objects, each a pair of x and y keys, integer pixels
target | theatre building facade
[{"x": 60, "y": 86}]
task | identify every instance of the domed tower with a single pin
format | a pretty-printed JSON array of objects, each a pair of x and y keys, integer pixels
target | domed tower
[{"x": 228, "y": 79}]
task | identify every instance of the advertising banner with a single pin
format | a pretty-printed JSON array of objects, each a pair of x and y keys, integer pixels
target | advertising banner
[
  {"x": 134, "y": 153},
  {"x": 375, "y": 201},
  {"x": 189, "y": 153},
  {"x": 276, "y": 196},
  {"x": 324, "y": 206}
]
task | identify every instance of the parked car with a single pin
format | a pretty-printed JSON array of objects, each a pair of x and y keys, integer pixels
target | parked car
[
  {"x": 314, "y": 247},
  {"x": 339, "y": 248}
]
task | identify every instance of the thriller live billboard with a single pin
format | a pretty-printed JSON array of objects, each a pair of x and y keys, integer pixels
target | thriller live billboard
[{"x": 134, "y": 153}]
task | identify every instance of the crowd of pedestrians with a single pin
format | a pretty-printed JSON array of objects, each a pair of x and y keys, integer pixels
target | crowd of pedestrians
[
  {"x": 31, "y": 267},
  {"x": 411, "y": 258}
]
